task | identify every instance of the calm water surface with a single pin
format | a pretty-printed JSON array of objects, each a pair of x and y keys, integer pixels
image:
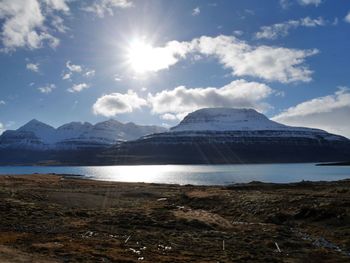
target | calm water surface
[{"x": 195, "y": 174}]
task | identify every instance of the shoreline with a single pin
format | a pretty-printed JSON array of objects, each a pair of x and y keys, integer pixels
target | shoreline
[
  {"x": 58, "y": 218},
  {"x": 140, "y": 163},
  {"x": 334, "y": 164},
  {"x": 233, "y": 184}
]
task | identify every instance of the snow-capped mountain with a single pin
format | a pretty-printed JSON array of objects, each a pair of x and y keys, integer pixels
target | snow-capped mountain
[
  {"x": 228, "y": 119},
  {"x": 206, "y": 136},
  {"x": 242, "y": 122},
  {"x": 225, "y": 135},
  {"x": 37, "y": 135}
]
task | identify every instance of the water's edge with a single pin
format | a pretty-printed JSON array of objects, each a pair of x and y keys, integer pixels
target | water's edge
[{"x": 195, "y": 174}]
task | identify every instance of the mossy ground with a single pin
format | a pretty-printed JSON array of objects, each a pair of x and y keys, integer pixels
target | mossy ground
[{"x": 54, "y": 218}]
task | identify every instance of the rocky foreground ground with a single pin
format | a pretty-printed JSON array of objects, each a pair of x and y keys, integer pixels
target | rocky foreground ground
[{"x": 55, "y": 218}]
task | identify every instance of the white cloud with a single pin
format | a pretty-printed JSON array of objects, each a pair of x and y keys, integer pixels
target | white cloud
[
  {"x": 33, "y": 67},
  {"x": 266, "y": 62},
  {"x": 2, "y": 128},
  {"x": 285, "y": 4},
  {"x": 47, "y": 89},
  {"x": 24, "y": 23},
  {"x": 309, "y": 22},
  {"x": 78, "y": 87},
  {"x": 166, "y": 125},
  {"x": 90, "y": 73},
  {"x": 73, "y": 67},
  {"x": 142, "y": 57},
  {"x": 59, "y": 5},
  {"x": 347, "y": 18},
  {"x": 330, "y": 113},
  {"x": 117, "y": 103},
  {"x": 335, "y": 21},
  {"x": 103, "y": 7},
  {"x": 117, "y": 78},
  {"x": 238, "y": 32},
  {"x": 196, "y": 11},
  {"x": 174, "y": 104},
  {"x": 310, "y": 2},
  {"x": 181, "y": 100},
  {"x": 58, "y": 23},
  {"x": 169, "y": 117},
  {"x": 67, "y": 76},
  {"x": 282, "y": 29},
  {"x": 2, "y": 102}
]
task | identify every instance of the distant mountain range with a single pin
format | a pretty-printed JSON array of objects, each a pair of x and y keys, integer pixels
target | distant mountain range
[
  {"x": 74, "y": 143},
  {"x": 206, "y": 136},
  {"x": 36, "y": 135}
]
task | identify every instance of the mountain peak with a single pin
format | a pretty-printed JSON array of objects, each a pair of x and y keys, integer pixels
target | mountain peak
[
  {"x": 75, "y": 125},
  {"x": 34, "y": 125},
  {"x": 238, "y": 113},
  {"x": 112, "y": 121},
  {"x": 109, "y": 122},
  {"x": 35, "y": 121},
  {"x": 227, "y": 119}
]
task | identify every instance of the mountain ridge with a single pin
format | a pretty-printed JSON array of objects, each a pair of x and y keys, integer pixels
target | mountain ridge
[
  {"x": 38, "y": 135},
  {"x": 205, "y": 136}
]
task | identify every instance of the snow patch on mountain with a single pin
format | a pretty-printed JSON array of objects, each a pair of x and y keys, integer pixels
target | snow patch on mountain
[
  {"x": 230, "y": 119},
  {"x": 40, "y": 136}
]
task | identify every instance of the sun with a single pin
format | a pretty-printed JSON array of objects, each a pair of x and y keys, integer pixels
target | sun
[
  {"x": 139, "y": 56},
  {"x": 143, "y": 58}
]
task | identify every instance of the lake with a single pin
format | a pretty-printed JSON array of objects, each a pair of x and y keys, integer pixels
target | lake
[{"x": 195, "y": 174}]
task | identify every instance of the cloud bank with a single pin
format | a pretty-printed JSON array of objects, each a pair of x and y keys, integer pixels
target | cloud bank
[
  {"x": 310, "y": 2},
  {"x": 330, "y": 113},
  {"x": 117, "y": 103},
  {"x": 181, "y": 100},
  {"x": 286, "y": 3},
  {"x": 175, "y": 103},
  {"x": 282, "y": 29},
  {"x": 269, "y": 63},
  {"x": 107, "y": 7},
  {"x": 24, "y": 23}
]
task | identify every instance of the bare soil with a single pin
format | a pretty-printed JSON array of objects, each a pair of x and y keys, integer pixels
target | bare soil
[{"x": 57, "y": 218}]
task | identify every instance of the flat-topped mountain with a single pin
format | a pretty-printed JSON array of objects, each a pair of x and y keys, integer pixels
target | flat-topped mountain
[
  {"x": 229, "y": 119},
  {"x": 36, "y": 135},
  {"x": 225, "y": 135}
]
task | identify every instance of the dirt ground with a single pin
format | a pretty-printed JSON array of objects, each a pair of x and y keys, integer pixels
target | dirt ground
[{"x": 56, "y": 218}]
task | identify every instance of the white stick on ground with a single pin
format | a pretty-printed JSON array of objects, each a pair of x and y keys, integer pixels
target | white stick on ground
[
  {"x": 278, "y": 248},
  {"x": 126, "y": 240}
]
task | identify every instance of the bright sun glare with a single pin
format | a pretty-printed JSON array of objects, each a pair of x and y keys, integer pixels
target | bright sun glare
[{"x": 139, "y": 56}]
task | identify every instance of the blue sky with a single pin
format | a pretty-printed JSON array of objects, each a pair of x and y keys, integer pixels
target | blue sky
[{"x": 152, "y": 62}]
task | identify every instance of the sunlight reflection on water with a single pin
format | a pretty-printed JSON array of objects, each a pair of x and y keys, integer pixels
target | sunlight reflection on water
[{"x": 195, "y": 174}]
